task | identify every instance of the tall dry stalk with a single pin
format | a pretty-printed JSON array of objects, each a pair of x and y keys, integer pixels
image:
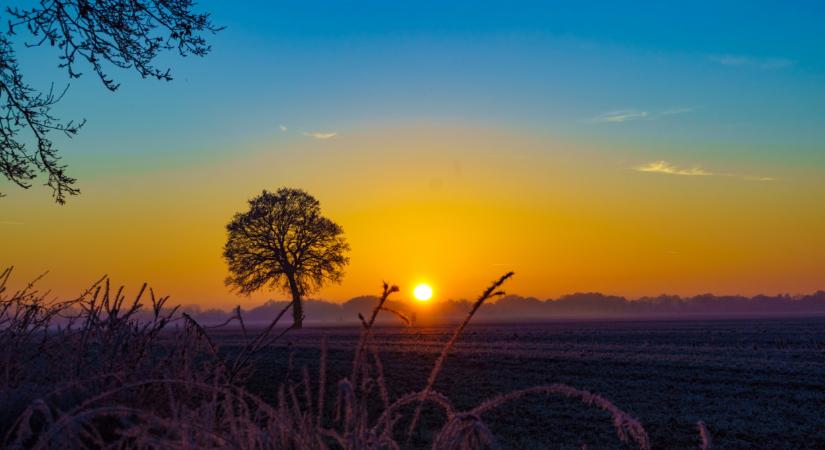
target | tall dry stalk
[
  {"x": 488, "y": 293},
  {"x": 101, "y": 371},
  {"x": 704, "y": 435}
]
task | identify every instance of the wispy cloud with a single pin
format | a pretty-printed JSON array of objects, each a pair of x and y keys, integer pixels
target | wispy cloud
[
  {"x": 664, "y": 167},
  {"x": 623, "y": 115},
  {"x": 776, "y": 63},
  {"x": 674, "y": 111},
  {"x": 731, "y": 60},
  {"x": 628, "y": 115},
  {"x": 670, "y": 169},
  {"x": 283, "y": 127},
  {"x": 745, "y": 61},
  {"x": 319, "y": 134},
  {"x": 754, "y": 178}
]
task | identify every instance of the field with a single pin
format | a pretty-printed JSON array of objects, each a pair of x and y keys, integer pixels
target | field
[
  {"x": 756, "y": 383},
  {"x": 101, "y": 371}
]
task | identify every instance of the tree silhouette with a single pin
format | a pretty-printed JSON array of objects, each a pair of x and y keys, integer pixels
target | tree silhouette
[
  {"x": 125, "y": 34},
  {"x": 284, "y": 242}
]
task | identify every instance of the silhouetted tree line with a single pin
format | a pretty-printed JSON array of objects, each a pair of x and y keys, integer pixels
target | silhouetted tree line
[{"x": 513, "y": 307}]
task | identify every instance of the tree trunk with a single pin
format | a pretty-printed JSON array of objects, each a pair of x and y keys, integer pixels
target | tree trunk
[{"x": 297, "y": 306}]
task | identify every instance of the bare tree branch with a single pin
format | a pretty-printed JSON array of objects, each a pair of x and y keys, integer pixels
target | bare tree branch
[{"x": 104, "y": 34}]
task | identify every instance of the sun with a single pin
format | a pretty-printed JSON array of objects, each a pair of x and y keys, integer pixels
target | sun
[{"x": 423, "y": 292}]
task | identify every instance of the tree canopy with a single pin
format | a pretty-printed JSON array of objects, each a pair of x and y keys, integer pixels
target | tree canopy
[
  {"x": 124, "y": 34},
  {"x": 283, "y": 242}
]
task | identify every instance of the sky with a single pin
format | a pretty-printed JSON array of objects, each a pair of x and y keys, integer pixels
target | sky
[{"x": 633, "y": 149}]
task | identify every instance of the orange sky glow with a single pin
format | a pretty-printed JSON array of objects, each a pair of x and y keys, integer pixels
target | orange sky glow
[{"x": 451, "y": 206}]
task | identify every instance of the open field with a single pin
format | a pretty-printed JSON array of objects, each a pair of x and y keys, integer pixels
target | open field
[
  {"x": 101, "y": 371},
  {"x": 756, "y": 383}
]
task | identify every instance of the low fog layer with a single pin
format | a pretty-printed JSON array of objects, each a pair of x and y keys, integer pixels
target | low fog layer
[{"x": 517, "y": 308}]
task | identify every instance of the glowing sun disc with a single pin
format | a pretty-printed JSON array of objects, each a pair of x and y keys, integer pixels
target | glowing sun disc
[{"x": 423, "y": 292}]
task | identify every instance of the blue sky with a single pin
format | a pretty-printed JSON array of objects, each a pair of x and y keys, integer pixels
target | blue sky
[
  {"x": 730, "y": 77},
  {"x": 650, "y": 147}
]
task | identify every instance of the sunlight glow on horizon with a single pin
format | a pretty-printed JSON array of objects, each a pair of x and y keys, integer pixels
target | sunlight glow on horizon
[
  {"x": 423, "y": 292},
  {"x": 566, "y": 217},
  {"x": 632, "y": 151}
]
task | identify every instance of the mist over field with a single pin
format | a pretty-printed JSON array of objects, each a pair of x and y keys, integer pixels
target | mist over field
[{"x": 514, "y": 308}]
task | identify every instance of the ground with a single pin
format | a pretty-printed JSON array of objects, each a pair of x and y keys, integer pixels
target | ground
[{"x": 755, "y": 383}]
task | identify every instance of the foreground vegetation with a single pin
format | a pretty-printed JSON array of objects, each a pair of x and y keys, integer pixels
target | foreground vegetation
[{"x": 100, "y": 371}]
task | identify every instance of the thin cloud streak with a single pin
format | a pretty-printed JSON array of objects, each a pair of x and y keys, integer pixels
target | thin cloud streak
[
  {"x": 619, "y": 116},
  {"x": 664, "y": 167},
  {"x": 670, "y": 169},
  {"x": 674, "y": 111},
  {"x": 628, "y": 115},
  {"x": 755, "y": 178},
  {"x": 319, "y": 135},
  {"x": 747, "y": 61},
  {"x": 283, "y": 127}
]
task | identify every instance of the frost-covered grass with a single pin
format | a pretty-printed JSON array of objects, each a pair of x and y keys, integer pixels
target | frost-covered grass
[{"x": 104, "y": 371}]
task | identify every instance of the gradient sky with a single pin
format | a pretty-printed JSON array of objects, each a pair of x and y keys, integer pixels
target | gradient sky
[{"x": 633, "y": 149}]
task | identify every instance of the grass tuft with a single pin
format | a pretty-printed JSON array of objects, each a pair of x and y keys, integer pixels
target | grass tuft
[{"x": 103, "y": 371}]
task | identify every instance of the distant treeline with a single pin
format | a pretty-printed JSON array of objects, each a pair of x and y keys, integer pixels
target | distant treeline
[{"x": 513, "y": 307}]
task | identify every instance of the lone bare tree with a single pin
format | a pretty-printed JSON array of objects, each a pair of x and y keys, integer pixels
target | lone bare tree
[
  {"x": 284, "y": 242},
  {"x": 125, "y": 34}
]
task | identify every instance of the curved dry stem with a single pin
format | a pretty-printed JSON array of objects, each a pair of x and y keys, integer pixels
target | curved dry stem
[
  {"x": 704, "y": 435},
  {"x": 491, "y": 291},
  {"x": 237, "y": 415},
  {"x": 465, "y": 431},
  {"x": 386, "y": 418},
  {"x": 627, "y": 427},
  {"x": 79, "y": 436}
]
